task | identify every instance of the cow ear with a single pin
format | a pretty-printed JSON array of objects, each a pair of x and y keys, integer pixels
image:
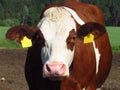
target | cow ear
[
  {"x": 91, "y": 30},
  {"x": 20, "y": 33}
]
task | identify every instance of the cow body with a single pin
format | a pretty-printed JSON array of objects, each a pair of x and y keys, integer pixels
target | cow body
[{"x": 59, "y": 59}]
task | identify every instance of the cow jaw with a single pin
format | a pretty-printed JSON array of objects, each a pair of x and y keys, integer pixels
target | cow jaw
[{"x": 55, "y": 27}]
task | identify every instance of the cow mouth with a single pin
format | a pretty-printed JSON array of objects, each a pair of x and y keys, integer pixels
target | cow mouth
[{"x": 55, "y": 78}]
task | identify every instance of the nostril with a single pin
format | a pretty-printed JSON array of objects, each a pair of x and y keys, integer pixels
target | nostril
[
  {"x": 48, "y": 68},
  {"x": 55, "y": 69}
]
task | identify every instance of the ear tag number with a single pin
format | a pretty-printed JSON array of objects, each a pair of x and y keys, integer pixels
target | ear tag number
[
  {"x": 89, "y": 38},
  {"x": 26, "y": 42}
]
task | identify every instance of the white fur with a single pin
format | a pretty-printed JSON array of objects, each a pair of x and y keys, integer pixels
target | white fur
[
  {"x": 55, "y": 27},
  {"x": 76, "y": 17},
  {"x": 97, "y": 56},
  {"x": 81, "y": 22}
]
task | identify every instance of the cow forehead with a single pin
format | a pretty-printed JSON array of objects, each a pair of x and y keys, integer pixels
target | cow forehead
[{"x": 56, "y": 22}]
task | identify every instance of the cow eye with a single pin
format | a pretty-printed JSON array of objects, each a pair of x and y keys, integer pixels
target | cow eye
[
  {"x": 41, "y": 39},
  {"x": 38, "y": 39},
  {"x": 70, "y": 42},
  {"x": 42, "y": 42},
  {"x": 74, "y": 37}
]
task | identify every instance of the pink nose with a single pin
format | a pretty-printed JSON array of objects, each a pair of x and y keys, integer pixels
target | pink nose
[{"x": 55, "y": 69}]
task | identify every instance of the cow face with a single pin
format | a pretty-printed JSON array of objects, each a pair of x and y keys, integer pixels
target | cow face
[
  {"x": 56, "y": 34},
  {"x": 58, "y": 29}
]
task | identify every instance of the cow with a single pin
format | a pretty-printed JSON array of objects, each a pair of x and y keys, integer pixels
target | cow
[{"x": 69, "y": 48}]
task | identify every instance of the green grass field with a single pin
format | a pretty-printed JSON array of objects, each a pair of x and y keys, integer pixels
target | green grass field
[{"x": 114, "y": 35}]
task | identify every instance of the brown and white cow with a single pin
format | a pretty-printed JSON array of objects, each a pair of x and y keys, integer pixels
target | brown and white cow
[{"x": 70, "y": 48}]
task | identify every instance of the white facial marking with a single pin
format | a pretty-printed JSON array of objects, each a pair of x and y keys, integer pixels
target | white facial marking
[
  {"x": 55, "y": 27},
  {"x": 76, "y": 17},
  {"x": 97, "y": 56}
]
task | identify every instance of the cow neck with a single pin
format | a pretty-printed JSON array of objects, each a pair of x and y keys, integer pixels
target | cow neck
[{"x": 81, "y": 22}]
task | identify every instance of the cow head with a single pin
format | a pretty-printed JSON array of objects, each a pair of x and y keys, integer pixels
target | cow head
[{"x": 57, "y": 31}]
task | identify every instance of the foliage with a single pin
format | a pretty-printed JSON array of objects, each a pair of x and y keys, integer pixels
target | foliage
[
  {"x": 1, "y": 12},
  {"x": 28, "y": 11},
  {"x": 111, "y": 9},
  {"x": 9, "y": 22}
]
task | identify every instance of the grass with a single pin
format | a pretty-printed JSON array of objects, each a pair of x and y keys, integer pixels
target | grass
[{"x": 114, "y": 35}]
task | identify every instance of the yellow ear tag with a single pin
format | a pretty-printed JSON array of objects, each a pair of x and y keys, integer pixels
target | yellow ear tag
[
  {"x": 26, "y": 42},
  {"x": 89, "y": 38}
]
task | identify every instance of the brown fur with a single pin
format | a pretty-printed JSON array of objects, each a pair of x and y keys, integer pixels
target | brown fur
[
  {"x": 71, "y": 40},
  {"x": 83, "y": 72},
  {"x": 84, "y": 59}
]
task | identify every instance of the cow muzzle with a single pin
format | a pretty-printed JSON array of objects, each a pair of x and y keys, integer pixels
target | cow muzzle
[{"x": 54, "y": 70}]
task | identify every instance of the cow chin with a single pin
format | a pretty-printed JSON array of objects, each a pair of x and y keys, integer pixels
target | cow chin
[{"x": 54, "y": 78}]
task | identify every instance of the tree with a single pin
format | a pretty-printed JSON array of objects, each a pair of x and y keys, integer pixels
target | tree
[
  {"x": 25, "y": 14},
  {"x": 111, "y": 9},
  {"x": 114, "y": 9},
  {"x": 1, "y": 12},
  {"x": 24, "y": 9}
]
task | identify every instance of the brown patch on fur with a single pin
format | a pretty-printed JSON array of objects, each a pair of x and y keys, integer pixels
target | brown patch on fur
[{"x": 71, "y": 40}]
